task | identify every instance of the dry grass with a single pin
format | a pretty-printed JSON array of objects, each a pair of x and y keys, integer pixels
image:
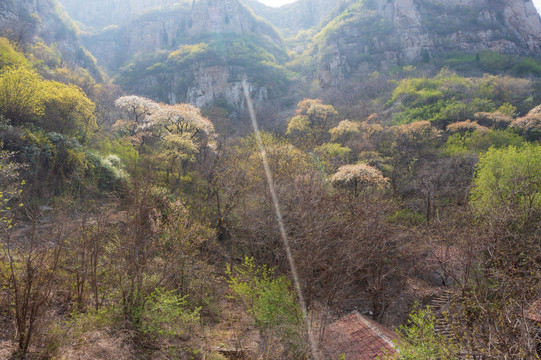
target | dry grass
[
  {"x": 98, "y": 345},
  {"x": 6, "y": 349}
]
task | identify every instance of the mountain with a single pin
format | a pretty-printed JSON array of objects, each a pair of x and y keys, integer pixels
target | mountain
[
  {"x": 168, "y": 27},
  {"x": 379, "y": 35},
  {"x": 196, "y": 52},
  {"x": 300, "y": 15},
  {"x": 98, "y": 14},
  {"x": 25, "y": 22}
]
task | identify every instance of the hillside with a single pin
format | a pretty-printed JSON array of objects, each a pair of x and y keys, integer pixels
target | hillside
[
  {"x": 27, "y": 22},
  {"x": 345, "y": 42},
  {"x": 374, "y": 36},
  {"x": 392, "y": 192},
  {"x": 300, "y": 15},
  {"x": 196, "y": 54}
]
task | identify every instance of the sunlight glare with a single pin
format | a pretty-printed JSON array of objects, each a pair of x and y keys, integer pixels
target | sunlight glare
[
  {"x": 276, "y": 3},
  {"x": 279, "y": 218}
]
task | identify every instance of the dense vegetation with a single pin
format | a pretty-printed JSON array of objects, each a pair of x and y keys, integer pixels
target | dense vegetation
[{"x": 133, "y": 228}]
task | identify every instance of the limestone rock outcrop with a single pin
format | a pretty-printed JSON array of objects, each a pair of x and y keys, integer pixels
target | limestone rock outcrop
[
  {"x": 167, "y": 28},
  {"x": 378, "y": 35}
]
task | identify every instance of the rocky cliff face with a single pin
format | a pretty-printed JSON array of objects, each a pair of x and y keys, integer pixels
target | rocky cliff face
[
  {"x": 377, "y": 35},
  {"x": 355, "y": 37},
  {"x": 97, "y": 14},
  {"x": 228, "y": 27},
  {"x": 25, "y": 21},
  {"x": 169, "y": 27},
  {"x": 207, "y": 85},
  {"x": 302, "y": 14},
  {"x": 216, "y": 82},
  {"x": 225, "y": 16}
]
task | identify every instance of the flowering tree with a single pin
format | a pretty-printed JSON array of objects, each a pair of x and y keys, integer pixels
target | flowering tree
[
  {"x": 494, "y": 120},
  {"x": 138, "y": 110},
  {"x": 184, "y": 132},
  {"x": 529, "y": 125},
  {"x": 182, "y": 119},
  {"x": 358, "y": 176},
  {"x": 311, "y": 122},
  {"x": 465, "y": 127},
  {"x": 345, "y": 129},
  {"x": 180, "y": 131}
]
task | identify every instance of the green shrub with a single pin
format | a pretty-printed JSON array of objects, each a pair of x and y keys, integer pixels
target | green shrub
[
  {"x": 407, "y": 217},
  {"x": 507, "y": 183},
  {"x": 271, "y": 301},
  {"x": 480, "y": 142},
  {"x": 166, "y": 314},
  {"x": 9, "y": 56},
  {"x": 448, "y": 98},
  {"x": 420, "y": 341}
]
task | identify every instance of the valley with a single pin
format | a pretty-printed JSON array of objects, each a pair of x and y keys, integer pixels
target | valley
[{"x": 221, "y": 179}]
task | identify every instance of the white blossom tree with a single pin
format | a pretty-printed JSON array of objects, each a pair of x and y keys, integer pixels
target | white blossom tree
[
  {"x": 345, "y": 129},
  {"x": 139, "y": 110},
  {"x": 180, "y": 131},
  {"x": 357, "y": 177}
]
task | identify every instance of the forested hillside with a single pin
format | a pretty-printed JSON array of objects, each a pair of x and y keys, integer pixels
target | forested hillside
[{"x": 143, "y": 215}]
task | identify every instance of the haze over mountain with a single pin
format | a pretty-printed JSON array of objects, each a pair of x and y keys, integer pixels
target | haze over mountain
[
  {"x": 347, "y": 37},
  {"x": 219, "y": 42}
]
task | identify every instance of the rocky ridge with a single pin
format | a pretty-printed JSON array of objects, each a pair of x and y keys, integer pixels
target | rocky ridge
[
  {"x": 300, "y": 15},
  {"x": 98, "y": 14},
  {"x": 217, "y": 23},
  {"x": 375, "y": 36},
  {"x": 354, "y": 37},
  {"x": 26, "y": 21}
]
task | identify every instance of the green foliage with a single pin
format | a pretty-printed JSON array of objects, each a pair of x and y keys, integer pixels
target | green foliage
[
  {"x": 47, "y": 57},
  {"x": 9, "y": 56},
  {"x": 356, "y": 17},
  {"x": 119, "y": 147},
  {"x": 507, "y": 109},
  {"x": 246, "y": 280},
  {"x": 480, "y": 142},
  {"x": 345, "y": 130},
  {"x": 420, "y": 341},
  {"x": 103, "y": 318},
  {"x": 79, "y": 325},
  {"x": 332, "y": 150},
  {"x": 449, "y": 98},
  {"x": 22, "y": 94},
  {"x": 166, "y": 314},
  {"x": 188, "y": 54},
  {"x": 311, "y": 123},
  {"x": 67, "y": 110},
  {"x": 507, "y": 182},
  {"x": 25, "y": 97},
  {"x": 407, "y": 217},
  {"x": 493, "y": 63},
  {"x": 271, "y": 301},
  {"x": 276, "y": 304},
  {"x": 332, "y": 155},
  {"x": 362, "y": 15},
  {"x": 260, "y": 57},
  {"x": 107, "y": 172}
]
